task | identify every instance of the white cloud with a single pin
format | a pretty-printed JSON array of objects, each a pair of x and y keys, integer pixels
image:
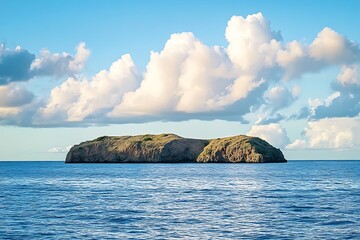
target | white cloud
[
  {"x": 14, "y": 96},
  {"x": 186, "y": 76},
  {"x": 75, "y": 99},
  {"x": 188, "y": 79},
  {"x": 297, "y": 144},
  {"x": 272, "y": 133},
  {"x": 333, "y": 48},
  {"x": 349, "y": 75},
  {"x": 264, "y": 119},
  {"x": 81, "y": 56},
  {"x": 328, "y": 48},
  {"x": 8, "y": 113},
  {"x": 330, "y": 133},
  {"x": 345, "y": 101},
  {"x": 317, "y": 103},
  {"x": 280, "y": 97},
  {"x": 252, "y": 43},
  {"x": 21, "y": 65},
  {"x": 62, "y": 98},
  {"x": 14, "y": 99},
  {"x": 296, "y": 91},
  {"x": 60, "y": 64},
  {"x": 294, "y": 60},
  {"x": 59, "y": 149}
]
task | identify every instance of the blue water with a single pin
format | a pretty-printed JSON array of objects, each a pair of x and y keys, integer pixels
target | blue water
[{"x": 295, "y": 200}]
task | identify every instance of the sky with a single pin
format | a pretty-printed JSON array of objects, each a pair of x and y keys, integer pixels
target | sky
[{"x": 288, "y": 72}]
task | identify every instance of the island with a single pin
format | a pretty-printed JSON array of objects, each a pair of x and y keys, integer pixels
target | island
[{"x": 171, "y": 148}]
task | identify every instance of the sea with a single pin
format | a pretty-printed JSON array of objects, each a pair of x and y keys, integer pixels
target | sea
[{"x": 294, "y": 200}]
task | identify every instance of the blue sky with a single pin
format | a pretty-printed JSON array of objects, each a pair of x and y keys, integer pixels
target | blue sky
[{"x": 75, "y": 70}]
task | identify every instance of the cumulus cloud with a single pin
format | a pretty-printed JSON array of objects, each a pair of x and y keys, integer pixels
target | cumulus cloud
[
  {"x": 20, "y": 65},
  {"x": 280, "y": 97},
  {"x": 59, "y": 149},
  {"x": 303, "y": 113},
  {"x": 297, "y": 144},
  {"x": 14, "y": 96},
  {"x": 263, "y": 120},
  {"x": 188, "y": 79},
  {"x": 331, "y": 47},
  {"x": 328, "y": 48},
  {"x": 60, "y": 64},
  {"x": 14, "y": 99},
  {"x": 345, "y": 101},
  {"x": 345, "y": 104},
  {"x": 252, "y": 42},
  {"x": 8, "y": 114},
  {"x": 349, "y": 75},
  {"x": 272, "y": 133},
  {"x": 14, "y": 64},
  {"x": 330, "y": 133},
  {"x": 76, "y": 99},
  {"x": 186, "y": 76}
]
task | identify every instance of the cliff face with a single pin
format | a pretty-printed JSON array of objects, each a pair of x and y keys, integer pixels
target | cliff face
[
  {"x": 170, "y": 148},
  {"x": 243, "y": 149},
  {"x": 137, "y": 149}
]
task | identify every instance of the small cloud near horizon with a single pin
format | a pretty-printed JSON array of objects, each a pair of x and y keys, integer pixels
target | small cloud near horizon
[{"x": 59, "y": 149}]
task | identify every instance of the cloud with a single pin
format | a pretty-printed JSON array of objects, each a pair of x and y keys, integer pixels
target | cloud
[
  {"x": 8, "y": 114},
  {"x": 331, "y": 47},
  {"x": 297, "y": 144},
  {"x": 270, "y": 119},
  {"x": 345, "y": 101},
  {"x": 252, "y": 43},
  {"x": 186, "y": 78},
  {"x": 273, "y": 133},
  {"x": 14, "y": 96},
  {"x": 330, "y": 133},
  {"x": 303, "y": 113},
  {"x": 14, "y": 100},
  {"x": 345, "y": 104},
  {"x": 349, "y": 75},
  {"x": 14, "y": 65},
  {"x": 328, "y": 48},
  {"x": 280, "y": 97},
  {"x": 275, "y": 99},
  {"x": 76, "y": 99},
  {"x": 189, "y": 80},
  {"x": 23, "y": 113},
  {"x": 20, "y": 65},
  {"x": 59, "y": 149},
  {"x": 60, "y": 64}
]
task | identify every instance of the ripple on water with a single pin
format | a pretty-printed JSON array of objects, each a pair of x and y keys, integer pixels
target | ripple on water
[{"x": 298, "y": 200}]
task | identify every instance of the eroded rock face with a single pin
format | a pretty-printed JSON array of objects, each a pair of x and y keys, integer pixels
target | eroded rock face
[
  {"x": 240, "y": 149},
  {"x": 170, "y": 148}
]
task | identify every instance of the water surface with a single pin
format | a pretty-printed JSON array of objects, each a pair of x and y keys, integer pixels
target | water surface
[{"x": 294, "y": 200}]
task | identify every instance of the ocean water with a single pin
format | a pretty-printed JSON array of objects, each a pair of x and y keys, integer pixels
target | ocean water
[{"x": 294, "y": 200}]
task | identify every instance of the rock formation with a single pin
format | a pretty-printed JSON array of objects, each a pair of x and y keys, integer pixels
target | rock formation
[{"x": 170, "y": 148}]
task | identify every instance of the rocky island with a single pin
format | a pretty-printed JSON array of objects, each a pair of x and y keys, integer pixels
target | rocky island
[{"x": 170, "y": 148}]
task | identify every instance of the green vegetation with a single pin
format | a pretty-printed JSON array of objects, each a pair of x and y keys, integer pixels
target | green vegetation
[
  {"x": 172, "y": 148},
  {"x": 234, "y": 149},
  {"x": 100, "y": 138}
]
